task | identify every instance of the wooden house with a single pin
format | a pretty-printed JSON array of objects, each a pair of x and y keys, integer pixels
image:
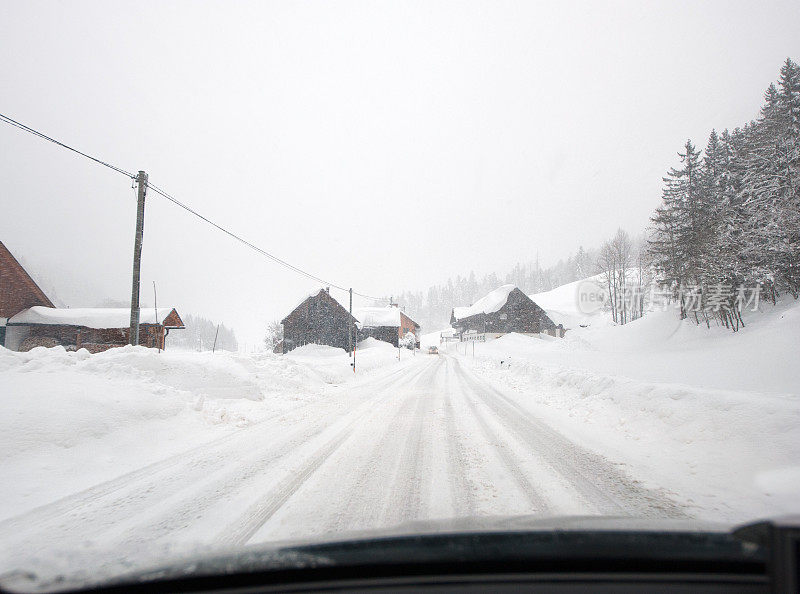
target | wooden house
[
  {"x": 388, "y": 324},
  {"x": 319, "y": 319},
  {"x": 29, "y": 319},
  {"x": 94, "y": 328},
  {"x": 504, "y": 310}
]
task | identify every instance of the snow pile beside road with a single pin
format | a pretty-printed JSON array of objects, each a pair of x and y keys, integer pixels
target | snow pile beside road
[
  {"x": 69, "y": 420},
  {"x": 761, "y": 357},
  {"x": 711, "y": 416},
  {"x": 332, "y": 365}
]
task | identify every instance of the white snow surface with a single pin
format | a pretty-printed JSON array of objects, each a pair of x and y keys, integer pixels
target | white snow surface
[
  {"x": 121, "y": 459},
  {"x": 489, "y": 303},
  {"x": 711, "y": 416},
  {"x": 89, "y": 317},
  {"x": 376, "y": 317},
  {"x": 74, "y": 419},
  {"x": 430, "y": 339},
  {"x": 561, "y": 305}
]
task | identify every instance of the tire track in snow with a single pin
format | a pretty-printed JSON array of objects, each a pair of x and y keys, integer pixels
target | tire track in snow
[
  {"x": 408, "y": 480},
  {"x": 506, "y": 455},
  {"x": 461, "y": 488},
  {"x": 591, "y": 475},
  {"x": 190, "y": 506},
  {"x": 190, "y": 509},
  {"x": 393, "y": 499},
  {"x": 200, "y": 456},
  {"x": 83, "y": 501},
  {"x": 167, "y": 502},
  {"x": 101, "y": 510},
  {"x": 251, "y": 521},
  {"x": 408, "y": 483},
  {"x": 73, "y": 503},
  {"x": 258, "y": 513},
  {"x": 358, "y": 506}
]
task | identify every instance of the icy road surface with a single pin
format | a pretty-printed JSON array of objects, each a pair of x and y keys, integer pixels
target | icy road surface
[{"x": 430, "y": 440}]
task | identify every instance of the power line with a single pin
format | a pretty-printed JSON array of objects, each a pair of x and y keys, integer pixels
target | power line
[
  {"x": 252, "y": 246},
  {"x": 187, "y": 208},
  {"x": 16, "y": 124}
]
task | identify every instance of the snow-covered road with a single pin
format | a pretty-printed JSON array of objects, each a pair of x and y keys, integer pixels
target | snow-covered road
[{"x": 427, "y": 440}]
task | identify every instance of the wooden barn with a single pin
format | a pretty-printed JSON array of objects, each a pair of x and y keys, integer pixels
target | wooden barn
[
  {"x": 504, "y": 310},
  {"x": 319, "y": 319},
  {"x": 93, "y": 328},
  {"x": 29, "y": 319},
  {"x": 388, "y": 324}
]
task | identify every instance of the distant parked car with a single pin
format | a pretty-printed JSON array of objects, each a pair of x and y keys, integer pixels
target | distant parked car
[{"x": 432, "y": 350}]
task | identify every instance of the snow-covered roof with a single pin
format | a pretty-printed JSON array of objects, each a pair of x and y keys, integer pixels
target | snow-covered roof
[
  {"x": 374, "y": 317},
  {"x": 89, "y": 317},
  {"x": 487, "y": 304},
  {"x": 314, "y": 294}
]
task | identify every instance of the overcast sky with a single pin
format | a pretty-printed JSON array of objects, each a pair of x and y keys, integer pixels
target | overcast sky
[{"x": 381, "y": 145}]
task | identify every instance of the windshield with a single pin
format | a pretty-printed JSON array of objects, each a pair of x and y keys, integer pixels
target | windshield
[{"x": 290, "y": 272}]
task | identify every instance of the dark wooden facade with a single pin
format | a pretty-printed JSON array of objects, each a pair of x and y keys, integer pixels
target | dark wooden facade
[
  {"x": 95, "y": 340},
  {"x": 518, "y": 314},
  {"x": 320, "y": 319}
]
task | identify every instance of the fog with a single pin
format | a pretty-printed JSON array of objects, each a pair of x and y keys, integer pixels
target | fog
[{"x": 383, "y": 146}]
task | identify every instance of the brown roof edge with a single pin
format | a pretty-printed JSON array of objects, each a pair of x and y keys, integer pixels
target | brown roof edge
[
  {"x": 175, "y": 320},
  {"x": 405, "y": 315},
  {"x": 27, "y": 277},
  {"x": 324, "y": 293}
]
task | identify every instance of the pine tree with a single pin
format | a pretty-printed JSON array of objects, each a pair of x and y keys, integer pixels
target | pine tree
[
  {"x": 734, "y": 219},
  {"x": 679, "y": 241}
]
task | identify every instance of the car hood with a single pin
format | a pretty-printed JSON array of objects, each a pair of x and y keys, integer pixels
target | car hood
[{"x": 413, "y": 543}]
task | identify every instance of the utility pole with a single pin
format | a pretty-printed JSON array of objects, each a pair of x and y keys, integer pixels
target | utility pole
[
  {"x": 350, "y": 338},
  {"x": 141, "y": 179},
  {"x": 155, "y": 311},
  {"x": 350, "y": 327}
]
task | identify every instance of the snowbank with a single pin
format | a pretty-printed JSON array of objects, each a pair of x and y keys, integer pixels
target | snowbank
[
  {"x": 69, "y": 420},
  {"x": 711, "y": 416},
  {"x": 331, "y": 365},
  {"x": 761, "y": 357}
]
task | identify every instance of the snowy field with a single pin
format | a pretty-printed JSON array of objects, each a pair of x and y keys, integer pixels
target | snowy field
[
  {"x": 69, "y": 420},
  {"x": 123, "y": 457}
]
